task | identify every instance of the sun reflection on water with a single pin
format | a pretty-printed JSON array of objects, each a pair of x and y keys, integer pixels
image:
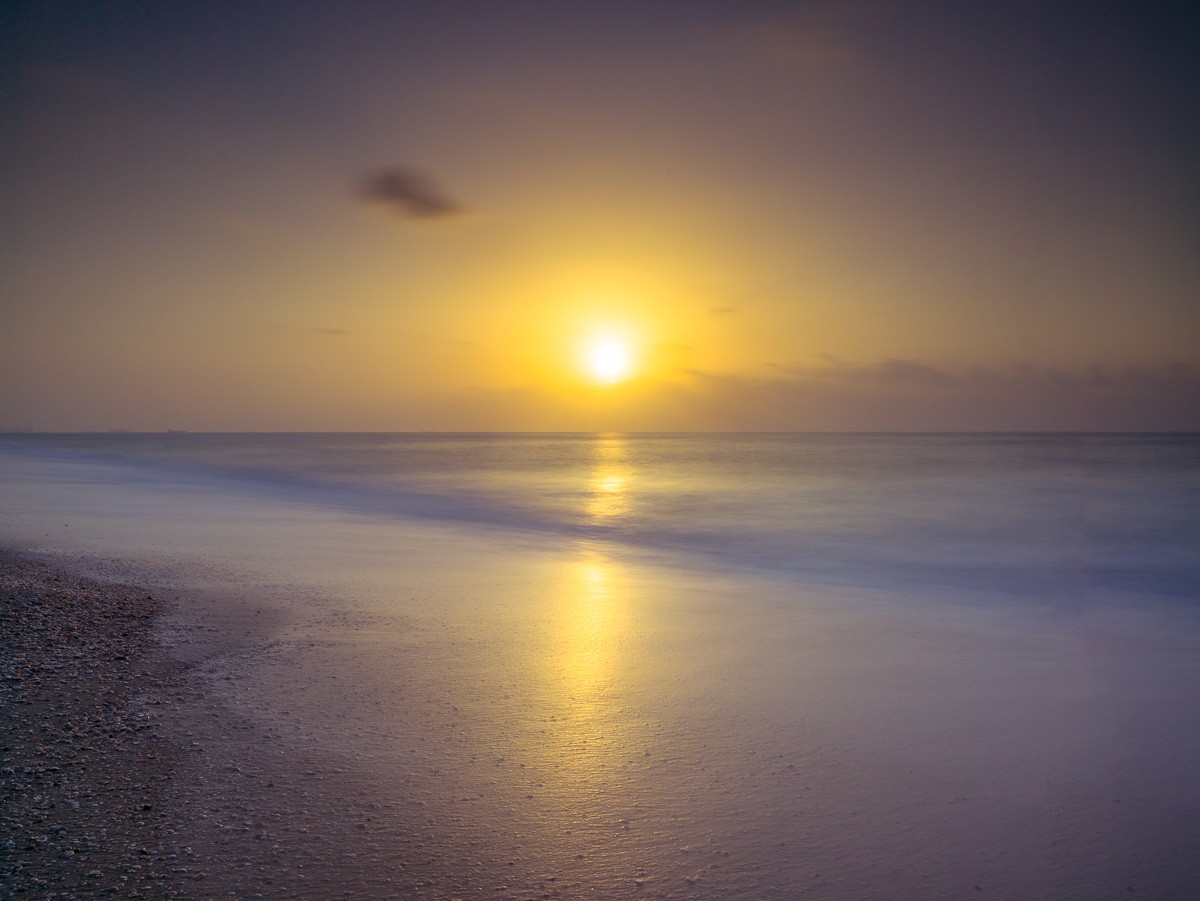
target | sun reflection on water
[
  {"x": 608, "y": 484},
  {"x": 590, "y": 626},
  {"x": 582, "y": 753}
]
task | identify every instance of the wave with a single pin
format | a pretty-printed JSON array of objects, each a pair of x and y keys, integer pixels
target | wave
[{"x": 1017, "y": 514}]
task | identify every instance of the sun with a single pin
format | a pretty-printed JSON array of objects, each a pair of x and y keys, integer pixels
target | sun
[{"x": 607, "y": 359}]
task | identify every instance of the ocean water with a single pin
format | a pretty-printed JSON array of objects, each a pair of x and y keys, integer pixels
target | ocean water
[
  {"x": 1024, "y": 514},
  {"x": 679, "y": 666}
]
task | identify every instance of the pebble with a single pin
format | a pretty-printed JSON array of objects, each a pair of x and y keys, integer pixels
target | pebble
[{"x": 77, "y": 673}]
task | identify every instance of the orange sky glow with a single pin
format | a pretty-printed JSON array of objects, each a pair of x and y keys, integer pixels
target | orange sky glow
[{"x": 784, "y": 216}]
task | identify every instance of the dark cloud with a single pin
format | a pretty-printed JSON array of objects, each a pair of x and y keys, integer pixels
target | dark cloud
[
  {"x": 1176, "y": 380},
  {"x": 905, "y": 395},
  {"x": 331, "y": 331},
  {"x": 889, "y": 372},
  {"x": 899, "y": 372},
  {"x": 1018, "y": 377},
  {"x": 1016, "y": 397},
  {"x": 409, "y": 193}
]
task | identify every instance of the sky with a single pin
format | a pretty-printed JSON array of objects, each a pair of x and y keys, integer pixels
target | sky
[{"x": 417, "y": 216}]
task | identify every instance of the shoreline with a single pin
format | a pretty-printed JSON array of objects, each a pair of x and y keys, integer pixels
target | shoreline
[{"x": 125, "y": 772}]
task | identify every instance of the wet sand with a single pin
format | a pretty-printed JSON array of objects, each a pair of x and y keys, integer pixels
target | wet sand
[
  {"x": 124, "y": 775},
  {"x": 278, "y": 743}
]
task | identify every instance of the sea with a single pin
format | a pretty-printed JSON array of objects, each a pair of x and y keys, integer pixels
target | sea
[
  {"x": 666, "y": 665},
  {"x": 1023, "y": 515}
]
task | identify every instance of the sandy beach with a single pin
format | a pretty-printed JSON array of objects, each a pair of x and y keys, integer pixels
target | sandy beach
[
  {"x": 87, "y": 765},
  {"x": 125, "y": 776}
]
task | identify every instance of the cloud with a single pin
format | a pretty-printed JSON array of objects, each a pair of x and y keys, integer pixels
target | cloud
[
  {"x": 409, "y": 193},
  {"x": 330, "y": 331},
  {"x": 889, "y": 372},
  {"x": 820, "y": 38},
  {"x": 839, "y": 397},
  {"x": 907, "y": 395}
]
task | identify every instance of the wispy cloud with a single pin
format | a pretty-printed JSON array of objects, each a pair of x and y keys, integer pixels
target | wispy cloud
[
  {"x": 1019, "y": 376},
  {"x": 330, "y": 331},
  {"x": 820, "y": 37},
  {"x": 911, "y": 395},
  {"x": 409, "y": 193},
  {"x": 847, "y": 397},
  {"x": 888, "y": 372}
]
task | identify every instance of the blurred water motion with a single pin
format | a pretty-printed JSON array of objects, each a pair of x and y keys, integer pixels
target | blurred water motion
[
  {"x": 609, "y": 482},
  {"x": 681, "y": 666},
  {"x": 1028, "y": 514}
]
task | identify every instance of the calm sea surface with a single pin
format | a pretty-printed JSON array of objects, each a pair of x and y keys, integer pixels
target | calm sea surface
[{"x": 1016, "y": 513}]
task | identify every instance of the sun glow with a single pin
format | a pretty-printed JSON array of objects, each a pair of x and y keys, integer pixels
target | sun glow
[{"x": 608, "y": 359}]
